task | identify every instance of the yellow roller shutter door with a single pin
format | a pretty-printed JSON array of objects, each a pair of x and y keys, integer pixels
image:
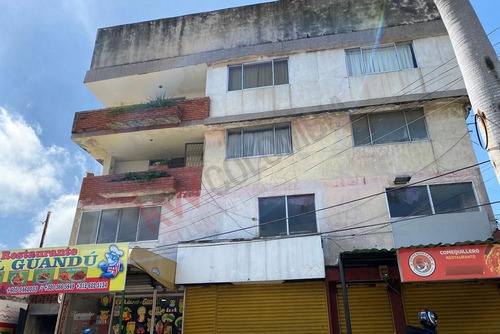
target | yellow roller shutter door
[
  {"x": 261, "y": 308},
  {"x": 461, "y": 307},
  {"x": 200, "y": 309},
  {"x": 369, "y": 307}
]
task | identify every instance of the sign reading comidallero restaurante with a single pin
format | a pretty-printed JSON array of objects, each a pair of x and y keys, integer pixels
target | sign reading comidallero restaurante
[{"x": 73, "y": 269}]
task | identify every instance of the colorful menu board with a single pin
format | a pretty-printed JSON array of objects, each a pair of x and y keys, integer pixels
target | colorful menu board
[
  {"x": 73, "y": 269},
  {"x": 137, "y": 313}
]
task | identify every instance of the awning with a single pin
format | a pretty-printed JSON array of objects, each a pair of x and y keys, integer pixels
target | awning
[{"x": 157, "y": 266}]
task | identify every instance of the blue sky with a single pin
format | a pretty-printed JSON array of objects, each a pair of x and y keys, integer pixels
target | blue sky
[{"x": 45, "y": 49}]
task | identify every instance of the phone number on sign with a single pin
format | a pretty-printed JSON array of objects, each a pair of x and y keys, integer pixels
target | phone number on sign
[
  {"x": 22, "y": 289},
  {"x": 92, "y": 286},
  {"x": 58, "y": 287}
]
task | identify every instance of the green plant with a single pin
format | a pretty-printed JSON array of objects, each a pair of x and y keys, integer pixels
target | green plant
[
  {"x": 146, "y": 176},
  {"x": 159, "y": 101}
]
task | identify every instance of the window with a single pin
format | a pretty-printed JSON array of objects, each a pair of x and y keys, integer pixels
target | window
[
  {"x": 261, "y": 74},
  {"x": 279, "y": 213},
  {"x": 267, "y": 140},
  {"x": 119, "y": 225},
  {"x": 383, "y": 58},
  {"x": 391, "y": 127},
  {"x": 431, "y": 199}
]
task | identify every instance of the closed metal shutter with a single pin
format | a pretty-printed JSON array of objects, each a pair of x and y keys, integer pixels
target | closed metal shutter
[
  {"x": 200, "y": 310},
  {"x": 263, "y": 308},
  {"x": 369, "y": 308},
  {"x": 461, "y": 307}
]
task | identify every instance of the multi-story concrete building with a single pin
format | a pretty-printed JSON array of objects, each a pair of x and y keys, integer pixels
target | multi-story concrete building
[{"x": 286, "y": 129}]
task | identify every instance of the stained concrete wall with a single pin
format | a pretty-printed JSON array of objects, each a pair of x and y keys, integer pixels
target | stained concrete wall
[
  {"x": 326, "y": 164},
  {"x": 320, "y": 78},
  {"x": 251, "y": 25}
]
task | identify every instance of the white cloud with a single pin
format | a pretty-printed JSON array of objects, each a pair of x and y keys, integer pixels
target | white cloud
[
  {"x": 35, "y": 179},
  {"x": 30, "y": 172},
  {"x": 61, "y": 220},
  {"x": 3, "y": 246}
]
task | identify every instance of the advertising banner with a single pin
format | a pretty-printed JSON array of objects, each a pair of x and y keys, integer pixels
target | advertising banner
[
  {"x": 449, "y": 263},
  {"x": 73, "y": 269}
]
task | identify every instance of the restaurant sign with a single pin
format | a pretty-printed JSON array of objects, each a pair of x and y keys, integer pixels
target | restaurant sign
[
  {"x": 73, "y": 269},
  {"x": 449, "y": 263}
]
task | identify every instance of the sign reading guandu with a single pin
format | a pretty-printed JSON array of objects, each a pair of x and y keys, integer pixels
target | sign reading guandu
[{"x": 73, "y": 269}]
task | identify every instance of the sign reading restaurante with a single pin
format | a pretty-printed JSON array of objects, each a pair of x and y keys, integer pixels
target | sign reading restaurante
[
  {"x": 449, "y": 263},
  {"x": 73, "y": 269}
]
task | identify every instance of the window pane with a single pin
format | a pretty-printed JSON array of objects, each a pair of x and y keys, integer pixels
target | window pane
[
  {"x": 234, "y": 147},
  {"x": 258, "y": 142},
  {"x": 108, "y": 226},
  {"x": 272, "y": 209},
  {"x": 382, "y": 59},
  {"x": 88, "y": 228},
  {"x": 127, "y": 231},
  {"x": 257, "y": 75},
  {"x": 299, "y": 205},
  {"x": 283, "y": 143},
  {"x": 406, "y": 56},
  {"x": 360, "y": 130},
  {"x": 388, "y": 128},
  {"x": 453, "y": 198},
  {"x": 354, "y": 62},
  {"x": 416, "y": 124},
  {"x": 281, "y": 72},
  {"x": 149, "y": 223},
  {"x": 411, "y": 201},
  {"x": 234, "y": 78}
]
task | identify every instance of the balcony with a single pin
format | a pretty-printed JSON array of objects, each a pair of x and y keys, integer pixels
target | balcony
[
  {"x": 115, "y": 188},
  {"x": 109, "y": 121},
  {"x": 254, "y": 260}
]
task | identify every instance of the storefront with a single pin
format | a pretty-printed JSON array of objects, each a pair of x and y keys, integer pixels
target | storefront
[
  {"x": 364, "y": 294},
  {"x": 460, "y": 283},
  {"x": 101, "y": 288},
  {"x": 149, "y": 299},
  {"x": 385, "y": 290},
  {"x": 289, "y": 307}
]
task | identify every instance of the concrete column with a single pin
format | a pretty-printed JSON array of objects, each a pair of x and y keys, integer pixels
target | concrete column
[{"x": 108, "y": 165}]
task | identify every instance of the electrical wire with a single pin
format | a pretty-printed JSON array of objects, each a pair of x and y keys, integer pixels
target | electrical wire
[{"x": 329, "y": 207}]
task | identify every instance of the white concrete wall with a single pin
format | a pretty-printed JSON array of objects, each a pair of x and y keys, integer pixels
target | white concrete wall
[
  {"x": 130, "y": 166},
  {"x": 256, "y": 260},
  {"x": 447, "y": 229},
  {"x": 320, "y": 78}
]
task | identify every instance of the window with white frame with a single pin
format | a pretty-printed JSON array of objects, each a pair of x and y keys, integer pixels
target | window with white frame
[
  {"x": 382, "y": 58},
  {"x": 261, "y": 74},
  {"x": 286, "y": 215},
  {"x": 119, "y": 225},
  {"x": 390, "y": 127},
  {"x": 431, "y": 199},
  {"x": 259, "y": 141}
]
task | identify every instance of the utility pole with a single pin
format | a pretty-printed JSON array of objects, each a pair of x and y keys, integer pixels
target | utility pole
[
  {"x": 480, "y": 69},
  {"x": 45, "y": 224}
]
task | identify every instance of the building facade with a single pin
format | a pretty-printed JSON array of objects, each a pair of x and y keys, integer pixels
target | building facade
[{"x": 254, "y": 145}]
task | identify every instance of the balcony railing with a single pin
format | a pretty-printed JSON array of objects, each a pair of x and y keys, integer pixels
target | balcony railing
[
  {"x": 118, "y": 188},
  {"x": 105, "y": 121}
]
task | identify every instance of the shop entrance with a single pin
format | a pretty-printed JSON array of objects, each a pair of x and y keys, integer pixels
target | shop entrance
[
  {"x": 41, "y": 324},
  {"x": 100, "y": 313}
]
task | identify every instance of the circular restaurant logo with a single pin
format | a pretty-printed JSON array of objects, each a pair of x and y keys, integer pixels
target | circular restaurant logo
[{"x": 422, "y": 264}]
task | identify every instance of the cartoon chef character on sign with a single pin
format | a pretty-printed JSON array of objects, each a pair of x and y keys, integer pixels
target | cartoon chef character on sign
[{"x": 113, "y": 265}]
